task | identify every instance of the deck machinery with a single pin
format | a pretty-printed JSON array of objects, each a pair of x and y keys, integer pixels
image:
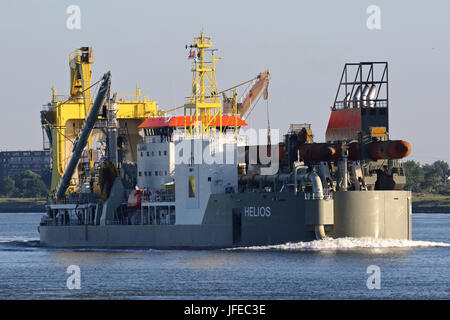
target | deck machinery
[
  {"x": 358, "y": 154},
  {"x": 62, "y": 120},
  {"x": 197, "y": 182},
  {"x": 357, "y": 132}
]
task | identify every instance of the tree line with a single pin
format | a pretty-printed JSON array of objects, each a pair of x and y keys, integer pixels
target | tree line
[
  {"x": 419, "y": 178},
  {"x": 428, "y": 177}
]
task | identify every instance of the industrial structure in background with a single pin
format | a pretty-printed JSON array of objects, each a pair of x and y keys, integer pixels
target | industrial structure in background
[
  {"x": 195, "y": 181},
  {"x": 14, "y": 163}
]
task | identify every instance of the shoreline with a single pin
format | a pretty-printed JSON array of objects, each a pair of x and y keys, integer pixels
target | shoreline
[
  {"x": 430, "y": 203},
  {"x": 421, "y": 204},
  {"x": 12, "y": 205}
]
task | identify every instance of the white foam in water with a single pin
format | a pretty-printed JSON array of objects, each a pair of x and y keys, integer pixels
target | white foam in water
[
  {"x": 32, "y": 242},
  {"x": 17, "y": 239},
  {"x": 348, "y": 243}
]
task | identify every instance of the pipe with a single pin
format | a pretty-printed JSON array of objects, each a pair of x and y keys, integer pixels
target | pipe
[
  {"x": 84, "y": 135},
  {"x": 319, "y": 229},
  {"x": 356, "y": 97},
  {"x": 272, "y": 179},
  {"x": 316, "y": 151},
  {"x": 283, "y": 177},
  {"x": 371, "y": 97},
  {"x": 296, "y": 168},
  {"x": 390, "y": 149},
  {"x": 347, "y": 100},
  {"x": 316, "y": 183},
  {"x": 365, "y": 94},
  {"x": 344, "y": 167}
]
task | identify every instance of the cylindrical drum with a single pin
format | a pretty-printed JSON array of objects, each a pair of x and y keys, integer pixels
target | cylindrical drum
[{"x": 376, "y": 214}]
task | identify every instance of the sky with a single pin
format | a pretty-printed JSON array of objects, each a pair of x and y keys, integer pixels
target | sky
[{"x": 304, "y": 44}]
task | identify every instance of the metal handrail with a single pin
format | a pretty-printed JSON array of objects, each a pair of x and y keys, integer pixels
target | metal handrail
[
  {"x": 133, "y": 98},
  {"x": 316, "y": 196},
  {"x": 161, "y": 197},
  {"x": 380, "y": 103}
]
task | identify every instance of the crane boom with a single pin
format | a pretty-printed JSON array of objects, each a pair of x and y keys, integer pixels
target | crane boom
[
  {"x": 260, "y": 87},
  {"x": 80, "y": 144}
]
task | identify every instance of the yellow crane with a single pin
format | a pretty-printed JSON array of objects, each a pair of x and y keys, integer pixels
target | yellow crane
[{"x": 64, "y": 117}]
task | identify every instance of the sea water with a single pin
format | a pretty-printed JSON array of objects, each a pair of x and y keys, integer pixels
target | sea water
[{"x": 327, "y": 269}]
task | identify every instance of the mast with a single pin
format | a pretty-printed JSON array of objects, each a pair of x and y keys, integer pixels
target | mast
[{"x": 204, "y": 105}]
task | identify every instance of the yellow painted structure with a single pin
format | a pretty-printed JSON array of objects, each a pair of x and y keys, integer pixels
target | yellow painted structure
[
  {"x": 204, "y": 104},
  {"x": 378, "y": 131},
  {"x": 65, "y": 116}
]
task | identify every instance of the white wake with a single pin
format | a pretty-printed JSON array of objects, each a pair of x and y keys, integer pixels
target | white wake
[{"x": 347, "y": 243}]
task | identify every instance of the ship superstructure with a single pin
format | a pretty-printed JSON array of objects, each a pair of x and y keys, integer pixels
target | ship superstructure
[
  {"x": 182, "y": 160},
  {"x": 62, "y": 120},
  {"x": 200, "y": 183}
]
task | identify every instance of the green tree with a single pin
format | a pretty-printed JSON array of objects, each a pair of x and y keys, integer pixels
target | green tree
[
  {"x": 432, "y": 177},
  {"x": 428, "y": 177},
  {"x": 31, "y": 185},
  {"x": 46, "y": 177},
  {"x": 8, "y": 187},
  {"x": 444, "y": 167},
  {"x": 414, "y": 175}
]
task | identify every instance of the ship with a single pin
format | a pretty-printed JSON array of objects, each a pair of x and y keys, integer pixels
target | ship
[{"x": 126, "y": 174}]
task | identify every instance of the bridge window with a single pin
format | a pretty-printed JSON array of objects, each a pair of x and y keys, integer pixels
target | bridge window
[{"x": 191, "y": 186}]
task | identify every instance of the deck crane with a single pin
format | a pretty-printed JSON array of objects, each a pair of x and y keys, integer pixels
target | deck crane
[
  {"x": 85, "y": 133},
  {"x": 80, "y": 82},
  {"x": 259, "y": 87},
  {"x": 231, "y": 106},
  {"x": 251, "y": 97}
]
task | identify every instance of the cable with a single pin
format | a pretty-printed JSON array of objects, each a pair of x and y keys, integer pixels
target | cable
[
  {"x": 254, "y": 105},
  {"x": 268, "y": 123},
  {"x": 81, "y": 92}
]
